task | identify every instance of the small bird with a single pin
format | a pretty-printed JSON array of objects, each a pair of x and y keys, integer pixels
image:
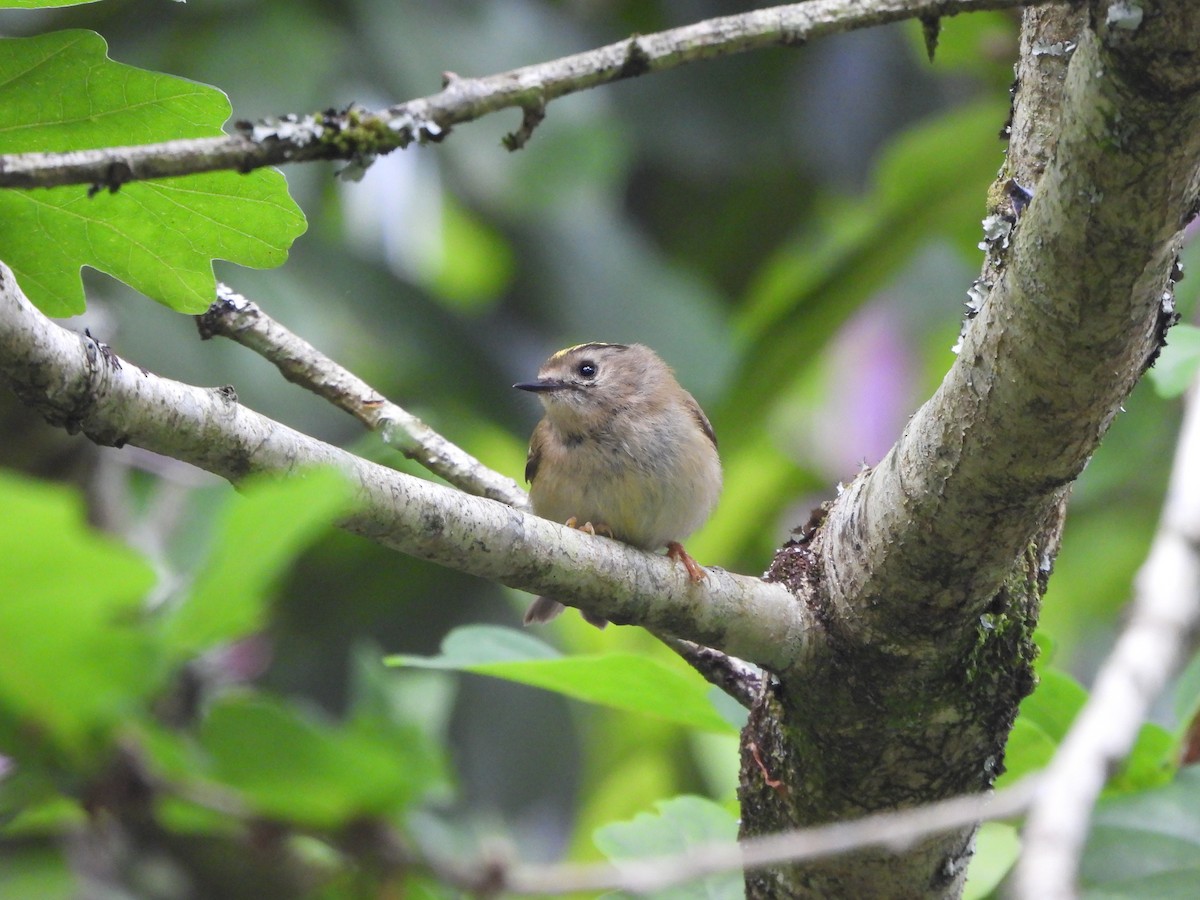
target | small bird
[{"x": 622, "y": 449}]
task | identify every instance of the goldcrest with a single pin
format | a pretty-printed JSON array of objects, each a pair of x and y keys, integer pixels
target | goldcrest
[{"x": 622, "y": 451}]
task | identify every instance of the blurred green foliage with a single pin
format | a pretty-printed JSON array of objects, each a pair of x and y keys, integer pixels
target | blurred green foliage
[
  {"x": 71, "y": 664},
  {"x": 794, "y": 230},
  {"x": 1146, "y": 844},
  {"x": 625, "y": 681}
]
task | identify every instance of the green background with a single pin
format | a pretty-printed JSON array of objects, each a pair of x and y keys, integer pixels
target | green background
[{"x": 794, "y": 230}]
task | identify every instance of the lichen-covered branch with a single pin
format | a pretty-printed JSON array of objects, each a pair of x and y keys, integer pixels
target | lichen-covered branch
[
  {"x": 898, "y": 632},
  {"x": 359, "y": 135}
]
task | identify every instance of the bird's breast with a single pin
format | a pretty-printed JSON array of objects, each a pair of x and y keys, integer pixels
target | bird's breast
[{"x": 648, "y": 493}]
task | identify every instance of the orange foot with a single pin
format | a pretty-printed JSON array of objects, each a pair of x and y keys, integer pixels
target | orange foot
[
  {"x": 694, "y": 569},
  {"x": 589, "y": 528}
]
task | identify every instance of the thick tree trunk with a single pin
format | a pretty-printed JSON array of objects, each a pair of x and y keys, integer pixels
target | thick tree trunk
[{"x": 926, "y": 575}]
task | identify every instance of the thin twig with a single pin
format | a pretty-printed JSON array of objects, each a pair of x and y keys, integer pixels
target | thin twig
[
  {"x": 359, "y": 135},
  {"x": 235, "y": 317},
  {"x": 1163, "y": 621},
  {"x": 893, "y": 830},
  {"x": 494, "y": 871}
]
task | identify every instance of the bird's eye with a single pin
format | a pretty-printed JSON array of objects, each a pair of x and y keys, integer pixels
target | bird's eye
[{"x": 587, "y": 369}]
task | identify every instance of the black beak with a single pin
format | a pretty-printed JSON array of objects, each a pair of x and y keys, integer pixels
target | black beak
[{"x": 541, "y": 385}]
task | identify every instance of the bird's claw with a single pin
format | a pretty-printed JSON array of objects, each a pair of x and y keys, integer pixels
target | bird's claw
[
  {"x": 694, "y": 569},
  {"x": 588, "y": 528}
]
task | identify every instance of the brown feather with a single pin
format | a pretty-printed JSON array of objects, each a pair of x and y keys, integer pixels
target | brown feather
[
  {"x": 698, "y": 414},
  {"x": 536, "y": 441}
]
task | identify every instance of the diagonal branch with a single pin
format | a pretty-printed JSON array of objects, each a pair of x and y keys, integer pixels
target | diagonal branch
[
  {"x": 359, "y": 135},
  {"x": 235, "y": 317},
  {"x": 1074, "y": 317},
  {"x": 492, "y": 873},
  {"x": 738, "y": 679},
  {"x": 81, "y": 385}
]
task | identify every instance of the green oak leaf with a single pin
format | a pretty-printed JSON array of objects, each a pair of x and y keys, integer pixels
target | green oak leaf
[{"x": 61, "y": 92}]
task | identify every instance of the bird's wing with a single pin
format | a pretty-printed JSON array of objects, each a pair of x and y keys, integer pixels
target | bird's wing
[
  {"x": 534, "y": 459},
  {"x": 696, "y": 411}
]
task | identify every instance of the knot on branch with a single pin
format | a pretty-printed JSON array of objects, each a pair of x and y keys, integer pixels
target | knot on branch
[
  {"x": 637, "y": 60},
  {"x": 116, "y": 174},
  {"x": 531, "y": 117}
]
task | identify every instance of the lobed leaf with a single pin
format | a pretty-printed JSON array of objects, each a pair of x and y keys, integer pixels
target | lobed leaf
[{"x": 158, "y": 237}]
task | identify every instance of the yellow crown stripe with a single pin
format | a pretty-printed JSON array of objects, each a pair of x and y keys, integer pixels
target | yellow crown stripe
[{"x": 589, "y": 345}]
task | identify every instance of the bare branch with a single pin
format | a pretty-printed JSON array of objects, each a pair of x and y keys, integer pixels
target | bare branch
[
  {"x": 359, "y": 135},
  {"x": 235, "y": 317},
  {"x": 1163, "y": 622},
  {"x": 76, "y": 383}
]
